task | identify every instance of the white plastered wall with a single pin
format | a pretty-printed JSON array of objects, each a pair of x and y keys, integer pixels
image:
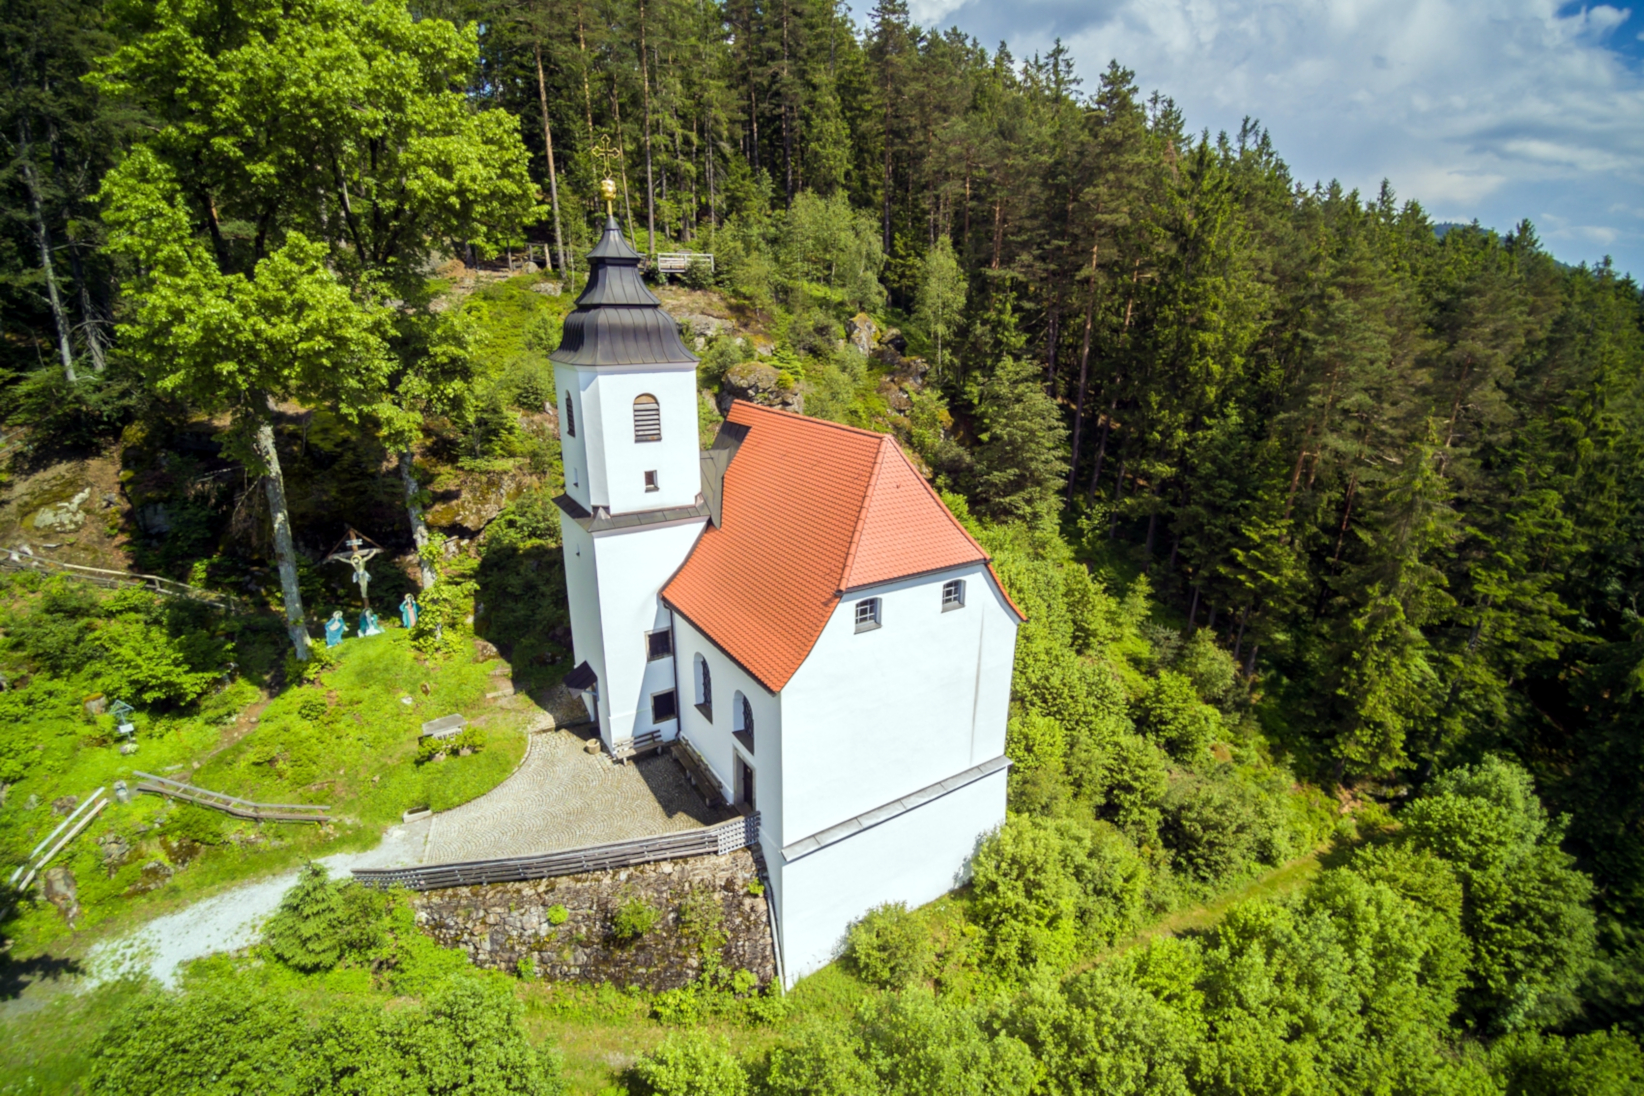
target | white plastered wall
[
  {"x": 609, "y": 464},
  {"x": 582, "y": 592},
  {"x": 913, "y": 858},
  {"x": 714, "y": 741},
  {"x": 630, "y": 567},
  {"x": 872, "y": 716}
]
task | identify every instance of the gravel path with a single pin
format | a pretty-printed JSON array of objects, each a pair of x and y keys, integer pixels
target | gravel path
[
  {"x": 559, "y": 798},
  {"x": 231, "y": 920},
  {"x": 564, "y": 798}
]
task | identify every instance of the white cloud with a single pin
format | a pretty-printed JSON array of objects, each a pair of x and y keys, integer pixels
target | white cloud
[{"x": 1492, "y": 109}]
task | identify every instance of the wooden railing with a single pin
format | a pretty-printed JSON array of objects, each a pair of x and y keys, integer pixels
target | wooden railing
[
  {"x": 13, "y": 559},
  {"x": 727, "y": 837},
  {"x": 229, "y": 804},
  {"x": 678, "y": 262}
]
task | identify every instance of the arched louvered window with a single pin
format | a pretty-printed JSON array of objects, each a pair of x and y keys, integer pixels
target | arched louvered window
[
  {"x": 704, "y": 689},
  {"x": 742, "y": 722},
  {"x": 570, "y": 416},
  {"x": 647, "y": 419}
]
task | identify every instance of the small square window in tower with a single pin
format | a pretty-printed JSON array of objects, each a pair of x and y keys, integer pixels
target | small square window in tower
[
  {"x": 664, "y": 706},
  {"x": 867, "y": 614},
  {"x": 650, "y": 481},
  {"x": 658, "y": 645},
  {"x": 953, "y": 594},
  {"x": 647, "y": 419}
]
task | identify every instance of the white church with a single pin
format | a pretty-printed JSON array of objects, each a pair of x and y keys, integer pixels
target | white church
[{"x": 795, "y": 605}]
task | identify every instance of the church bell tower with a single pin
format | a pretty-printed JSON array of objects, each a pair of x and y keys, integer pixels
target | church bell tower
[{"x": 633, "y": 505}]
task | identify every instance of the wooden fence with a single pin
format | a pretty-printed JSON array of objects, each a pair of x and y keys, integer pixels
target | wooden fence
[
  {"x": 727, "y": 837},
  {"x": 678, "y": 262},
  {"x": 12, "y": 559},
  {"x": 229, "y": 804}
]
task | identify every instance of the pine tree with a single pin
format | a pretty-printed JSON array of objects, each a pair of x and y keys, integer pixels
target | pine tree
[{"x": 1020, "y": 462}]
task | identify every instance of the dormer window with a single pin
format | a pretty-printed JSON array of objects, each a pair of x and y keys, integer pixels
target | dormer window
[
  {"x": 570, "y": 416},
  {"x": 953, "y": 594},
  {"x": 867, "y": 614},
  {"x": 647, "y": 419}
]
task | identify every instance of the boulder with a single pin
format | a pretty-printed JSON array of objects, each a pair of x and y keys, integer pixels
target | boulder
[
  {"x": 705, "y": 327},
  {"x": 893, "y": 338},
  {"x": 63, "y": 804},
  {"x": 64, "y": 517},
  {"x": 862, "y": 332},
  {"x": 548, "y": 289},
  {"x": 472, "y": 499},
  {"x": 59, "y": 889},
  {"x": 759, "y": 383},
  {"x": 115, "y": 850}
]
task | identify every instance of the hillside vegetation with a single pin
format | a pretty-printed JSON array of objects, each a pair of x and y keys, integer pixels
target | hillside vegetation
[{"x": 1325, "y": 720}]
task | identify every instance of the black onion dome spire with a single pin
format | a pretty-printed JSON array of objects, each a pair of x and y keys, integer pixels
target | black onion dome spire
[{"x": 617, "y": 320}]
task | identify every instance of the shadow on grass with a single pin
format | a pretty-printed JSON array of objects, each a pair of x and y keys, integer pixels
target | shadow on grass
[{"x": 17, "y": 975}]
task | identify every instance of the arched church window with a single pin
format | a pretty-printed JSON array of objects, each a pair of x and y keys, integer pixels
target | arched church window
[
  {"x": 647, "y": 419},
  {"x": 742, "y": 722},
  {"x": 704, "y": 689},
  {"x": 570, "y": 416}
]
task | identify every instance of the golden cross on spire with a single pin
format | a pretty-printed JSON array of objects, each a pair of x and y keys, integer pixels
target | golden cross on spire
[{"x": 603, "y": 153}]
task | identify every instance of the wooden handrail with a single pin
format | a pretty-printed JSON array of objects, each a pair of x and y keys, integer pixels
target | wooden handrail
[
  {"x": 231, "y": 804},
  {"x": 727, "y": 837}
]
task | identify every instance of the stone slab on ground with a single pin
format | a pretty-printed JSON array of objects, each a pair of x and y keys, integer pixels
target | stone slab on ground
[
  {"x": 499, "y": 924},
  {"x": 563, "y": 798}
]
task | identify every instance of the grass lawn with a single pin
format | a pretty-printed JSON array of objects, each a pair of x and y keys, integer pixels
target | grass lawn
[{"x": 347, "y": 739}]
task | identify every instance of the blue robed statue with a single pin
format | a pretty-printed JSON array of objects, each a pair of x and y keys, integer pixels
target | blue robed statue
[
  {"x": 368, "y": 623},
  {"x": 334, "y": 629},
  {"x": 409, "y": 611}
]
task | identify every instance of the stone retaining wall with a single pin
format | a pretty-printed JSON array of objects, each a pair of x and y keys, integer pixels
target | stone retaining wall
[{"x": 501, "y": 923}]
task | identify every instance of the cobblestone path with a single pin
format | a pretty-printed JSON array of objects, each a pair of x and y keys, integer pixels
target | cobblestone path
[{"x": 563, "y": 798}]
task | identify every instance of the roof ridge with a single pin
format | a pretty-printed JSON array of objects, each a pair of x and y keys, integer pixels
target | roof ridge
[
  {"x": 862, "y": 514},
  {"x": 808, "y": 419}
]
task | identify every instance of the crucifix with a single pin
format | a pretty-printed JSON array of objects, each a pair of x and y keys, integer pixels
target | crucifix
[{"x": 355, "y": 550}]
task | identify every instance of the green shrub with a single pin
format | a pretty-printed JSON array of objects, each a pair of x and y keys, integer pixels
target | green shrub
[
  {"x": 1047, "y": 888},
  {"x": 634, "y": 918},
  {"x": 1209, "y": 667},
  {"x": 198, "y": 824},
  {"x": 527, "y": 968},
  {"x": 1525, "y": 905},
  {"x": 889, "y": 947},
  {"x": 1218, "y": 826},
  {"x": 469, "y": 738},
  {"x": 699, "y": 273},
  {"x": 690, "y": 1065},
  {"x": 320, "y": 922},
  {"x": 1034, "y": 741},
  {"x": 1173, "y": 716},
  {"x": 558, "y": 914}
]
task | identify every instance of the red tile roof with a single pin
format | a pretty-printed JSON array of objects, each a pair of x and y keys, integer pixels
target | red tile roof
[{"x": 812, "y": 510}]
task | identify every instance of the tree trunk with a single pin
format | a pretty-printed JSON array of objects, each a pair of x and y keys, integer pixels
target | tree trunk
[
  {"x": 413, "y": 512},
  {"x": 553, "y": 176},
  {"x": 622, "y": 159},
  {"x": 285, "y": 550},
  {"x": 1101, "y": 447},
  {"x": 587, "y": 92},
  {"x": 650, "y": 183},
  {"x": 42, "y": 236},
  {"x": 1084, "y": 377},
  {"x": 90, "y": 318}
]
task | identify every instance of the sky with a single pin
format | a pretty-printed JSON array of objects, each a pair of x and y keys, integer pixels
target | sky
[{"x": 1494, "y": 110}]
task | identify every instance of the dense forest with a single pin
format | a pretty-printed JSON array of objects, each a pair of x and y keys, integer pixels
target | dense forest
[{"x": 1309, "y": 505}]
